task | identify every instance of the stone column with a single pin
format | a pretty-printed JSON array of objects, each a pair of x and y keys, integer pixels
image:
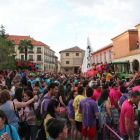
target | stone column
[{"x": 131, "y": 66}]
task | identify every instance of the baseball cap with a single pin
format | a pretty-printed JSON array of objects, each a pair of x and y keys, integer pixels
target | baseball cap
[{"x": 57, "y": 125}]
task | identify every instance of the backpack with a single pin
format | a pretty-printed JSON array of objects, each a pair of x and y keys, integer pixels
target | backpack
[
  {"x": 99, "y": 108},
  {"x": 38, "y": 114}
]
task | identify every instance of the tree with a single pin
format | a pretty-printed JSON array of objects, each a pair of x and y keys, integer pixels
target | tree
[
  {"x": 2, "y": 31},
  {"x": 24, "y": 45},
  {"x": 6, "y": 49}
]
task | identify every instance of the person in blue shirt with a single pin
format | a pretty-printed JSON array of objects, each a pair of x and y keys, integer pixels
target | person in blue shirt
[
  {"x": 6, "y": 131},
  {"x": 43, "y": 85},
  {"x": 31, "y": 80},
  {"x": 57, "y": 80}
]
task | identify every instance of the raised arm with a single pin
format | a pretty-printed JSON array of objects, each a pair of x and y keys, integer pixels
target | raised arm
[{"x": 132, "y": 80}]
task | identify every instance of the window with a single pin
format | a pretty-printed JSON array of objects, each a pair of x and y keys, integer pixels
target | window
[
  {"x": 77, "y": 54},
  {"x": 104, "y": 57},
  {"x": 30, "y": 57},
  {"x": 93, "y": 59},
  {"x": 30, "y": 50},
  {"x": 100, "y": 58},
  {"x": 66, "y": 70},
  {"x": 38, "y": 57},
  {"x": 110, "y": 56},
  {"x": 22, "y": 57},
  {"x": 14, "y": 49},
  {"x": 96, "y": 58},
  {"x": 12, "y": 40},
  {"x": 67, "y": 62},
  {"x": 38, "y": 50},
  {"x": 67, "y": 54}
]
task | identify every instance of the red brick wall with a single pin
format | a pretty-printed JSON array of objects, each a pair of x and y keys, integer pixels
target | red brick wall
[{"x": 125, "y": 44}]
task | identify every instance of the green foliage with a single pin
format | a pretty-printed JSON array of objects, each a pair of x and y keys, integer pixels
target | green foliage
[
  {"x": 24, "y": 45},
  {"x": 6, "y": 48},
  {"x": 2, "y": 31}
]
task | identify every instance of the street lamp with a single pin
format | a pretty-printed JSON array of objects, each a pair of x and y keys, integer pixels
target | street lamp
[{"x": 138, "y": 44}]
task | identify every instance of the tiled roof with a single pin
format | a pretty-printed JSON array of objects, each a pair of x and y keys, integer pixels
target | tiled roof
[
  {"x": 34, "y": 42},
  {"x": 73, "y": 49},
  {"x": 106, "y": 47},
  {"x": 18, "y": 38}
]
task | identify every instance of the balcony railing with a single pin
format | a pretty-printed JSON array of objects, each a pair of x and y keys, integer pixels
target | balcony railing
[
  {"x": 39, "y": 60},
  {"x": 30, "y": 59},
  {"x": 39, "y": 52},
  {"x": 30, "y": 52}
]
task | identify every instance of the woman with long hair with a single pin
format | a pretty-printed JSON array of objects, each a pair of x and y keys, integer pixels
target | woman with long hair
[
  {"x": 29, "y": 86},
  {"x": 8, "y": 107},
  {"x": 105, "y": 114},
  {"x": 29, "y": 116},
  {"x": 24, "y": 81},
  {"x": 52, "y": 109},
  {"x": 19, "y": 93},
  {"x": 7, "y": 132},
  {"x": 71, "y": 114},
  {"x": 61, "y": 98}
]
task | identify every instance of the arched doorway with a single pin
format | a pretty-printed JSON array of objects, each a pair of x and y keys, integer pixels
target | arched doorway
[{"x": 135, "y": 65}]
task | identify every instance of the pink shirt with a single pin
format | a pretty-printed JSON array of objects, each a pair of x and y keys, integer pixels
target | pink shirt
[
  {"x": 96, "y": 94},
  {"x": 30, "y": 113},
  {"x": 113, "y": 95},
  {"x": 135, "y": 88},
  {"x": 119, "y": 93},
  {"x": 128, "y": 112}
]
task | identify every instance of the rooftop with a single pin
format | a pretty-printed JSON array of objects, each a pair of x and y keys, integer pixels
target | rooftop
[
  {"x": 130, "y": 30},
  {"x": 73, "y": 49},
  {"x": 17, "y": 39},
  {"x": 103, "y": 48}
]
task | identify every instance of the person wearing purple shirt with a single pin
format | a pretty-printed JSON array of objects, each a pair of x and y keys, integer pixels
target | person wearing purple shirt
[
  {"x": 71, "y": 114},
  {"x": 124, "y": 95},
  {"x": 52, "y": 91},
  {"x": 89, "y": 110}
]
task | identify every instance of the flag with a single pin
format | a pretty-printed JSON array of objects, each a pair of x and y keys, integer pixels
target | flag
[{"x": 87, "y": 58}]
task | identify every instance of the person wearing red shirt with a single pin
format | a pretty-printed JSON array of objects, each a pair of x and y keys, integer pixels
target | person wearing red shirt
[
  {"x": 97, "y": 92},
  {"x": 29, "y": 65},
  {"x": 19, "y": 64},
  {"x": 114, "y": 103},
  {"x": 127, "y": 116}
]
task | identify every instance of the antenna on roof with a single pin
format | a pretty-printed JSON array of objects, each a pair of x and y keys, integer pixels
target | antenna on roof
[{"x": 76, "y": 39}]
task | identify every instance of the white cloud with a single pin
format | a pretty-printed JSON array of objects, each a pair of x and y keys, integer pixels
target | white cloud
[{"x": 56, "y": 22}]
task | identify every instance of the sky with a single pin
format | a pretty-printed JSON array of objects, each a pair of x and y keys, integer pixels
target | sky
[{"x": 63, "y": 24}]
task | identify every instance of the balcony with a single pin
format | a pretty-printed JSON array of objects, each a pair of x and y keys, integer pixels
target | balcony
[
  {"x": 39, "y": 60},
  {"x": 31, "y": 59},
  {"x": 39, "y": 52},
  {"x": 30, "y": 52},
  {"x": 53, "y": 62}
]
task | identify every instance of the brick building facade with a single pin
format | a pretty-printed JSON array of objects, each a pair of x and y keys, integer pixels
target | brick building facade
[{"x": 125, "y": 47}]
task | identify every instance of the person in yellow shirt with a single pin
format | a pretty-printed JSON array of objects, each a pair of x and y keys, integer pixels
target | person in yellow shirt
[
  {"x": 78, "y": 116},
  {"x": 109, "y": 76}
]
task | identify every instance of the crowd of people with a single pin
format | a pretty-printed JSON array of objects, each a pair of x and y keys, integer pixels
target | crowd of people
[{"x": 40, "y": 106}]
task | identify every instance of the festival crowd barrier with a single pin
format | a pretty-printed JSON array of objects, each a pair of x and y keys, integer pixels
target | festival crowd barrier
[{"x": 111, "y": 135}]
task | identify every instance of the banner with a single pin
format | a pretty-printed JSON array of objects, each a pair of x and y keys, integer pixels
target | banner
[{"x": 87, "y": 58}]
